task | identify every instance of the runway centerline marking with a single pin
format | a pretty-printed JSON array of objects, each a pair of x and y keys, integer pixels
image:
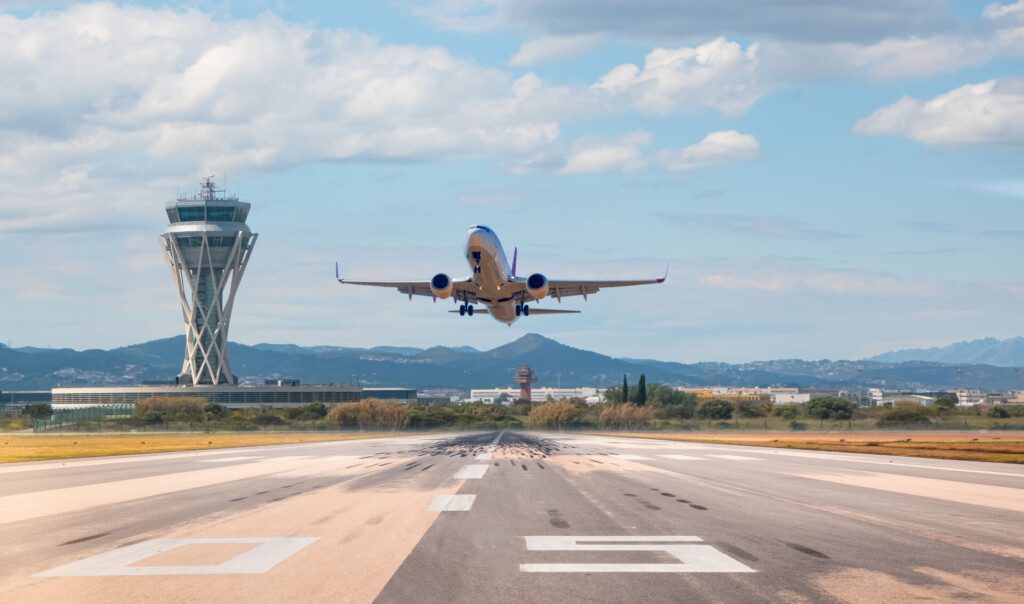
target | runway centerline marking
[
  {"x": 693, "y": 555},
  {"x": 629, "y": 457},
  {"x": 734, "y": 457},
  {"x": 683, "y": 457},
  {"x": 472, "y": 471},
  {"x": 226, "y": 459},
  {"x": 268, "y": 552},
  {"x": 452, "y": 503}
]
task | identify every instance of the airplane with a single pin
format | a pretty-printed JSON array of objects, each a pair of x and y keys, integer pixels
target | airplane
[{"x": 495, "y": 284}]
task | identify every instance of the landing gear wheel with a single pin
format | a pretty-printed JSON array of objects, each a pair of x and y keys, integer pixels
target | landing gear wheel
[
  {"x": 519, "y": 309},
  {"x": 526, "y": 310},
  {"x": 469, "y": 310},
  {"x": 462, "y": 310}
]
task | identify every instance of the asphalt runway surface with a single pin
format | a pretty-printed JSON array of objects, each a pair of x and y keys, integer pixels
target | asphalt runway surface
[{"x": 510, "y": 517}]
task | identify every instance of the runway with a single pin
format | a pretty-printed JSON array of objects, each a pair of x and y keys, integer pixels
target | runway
[{"x": 510, "y": 517}]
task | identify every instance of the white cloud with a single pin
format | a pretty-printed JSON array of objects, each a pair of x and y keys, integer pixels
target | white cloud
[
  {"x": 989, "y": 113},
  {"x": 623, "y": 155},
  {"x": 550, "y": 48},
  {"x": 715, "y": 148},
  {"x": 998, "y": 11},
  {"x": 718, "y": 74}
]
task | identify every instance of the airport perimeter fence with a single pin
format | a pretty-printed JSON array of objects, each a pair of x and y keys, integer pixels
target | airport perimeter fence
[{"x": 71, "y": 420}]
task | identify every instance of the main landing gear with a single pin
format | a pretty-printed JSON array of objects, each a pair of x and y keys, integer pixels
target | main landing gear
[
  {"x": 523, "y": 310},
  {"x": 466, "y": 309}
]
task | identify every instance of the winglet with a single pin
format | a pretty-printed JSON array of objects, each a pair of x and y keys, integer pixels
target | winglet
[
  {"x": 662, "y": 279},
  {"x": 515, "y": 257},
  {"x": 337, "y": 271}
]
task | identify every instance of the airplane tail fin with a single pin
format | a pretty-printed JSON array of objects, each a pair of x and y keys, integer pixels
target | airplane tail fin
[{"x": 515, "y": 257}]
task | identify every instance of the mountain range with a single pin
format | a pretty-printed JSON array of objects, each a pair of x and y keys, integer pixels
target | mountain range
[
  {"x": 988, "y": 351},
  {"x": 465, "y": 367}
]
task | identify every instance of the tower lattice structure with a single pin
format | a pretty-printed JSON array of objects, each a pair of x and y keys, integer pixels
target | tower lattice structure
[
  {"x": 525, "y": 377},
  {"x": 207, "y": 246}
]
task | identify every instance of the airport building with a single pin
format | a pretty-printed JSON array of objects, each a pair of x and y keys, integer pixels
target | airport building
[
  {"x": 231, "y": 396},
  {"x": 507, "y": 396}
]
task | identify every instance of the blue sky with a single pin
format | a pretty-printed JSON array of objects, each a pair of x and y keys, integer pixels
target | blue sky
[{"x": 828, "y": 180}]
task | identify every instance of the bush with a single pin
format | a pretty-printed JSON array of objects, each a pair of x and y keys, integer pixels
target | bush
[
  {"x": 787, "y": 411},
  {"x": 905, "y": 414},
  {"x": 795, "y": 425},
  {"x": 150, "y": 417},
  {"x": 1005, "y": 411},
  {"x": 553, "y": 415},
  {"x": 267, "y": 419},
  {"x": 214, "y": 411},
  {"x": 829, "y": 407},
  {"x": 310, "y": 412},
  {"x": 715, "y": 408},
  {"x": 370, "y": 413},
  {"x": 747, "y": 408},
  {"x": 626, "y": 416},
  {"x": 37, "y": 410},
  {"x": 172, "y": 408}
]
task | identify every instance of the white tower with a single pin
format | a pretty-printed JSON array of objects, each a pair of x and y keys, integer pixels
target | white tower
[{"x": 207, "y": 246}]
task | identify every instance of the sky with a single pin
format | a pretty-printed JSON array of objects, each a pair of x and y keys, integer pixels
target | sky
[{"x": 826, "y": 179}]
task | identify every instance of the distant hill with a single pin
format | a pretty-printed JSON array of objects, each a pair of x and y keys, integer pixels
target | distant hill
[
  {"x": 466, "y": 367},
  {"x": 988, "y": 351}
]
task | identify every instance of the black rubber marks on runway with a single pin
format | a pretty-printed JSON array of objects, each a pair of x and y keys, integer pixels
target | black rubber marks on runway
[
  {"x": 806, "y": 550},
  {"x": 556, "y": 520},
  {"x": 91, "y": 537},
  {"x": 651, "y": 506}
]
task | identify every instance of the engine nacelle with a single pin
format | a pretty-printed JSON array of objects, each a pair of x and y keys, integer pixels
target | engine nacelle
[
  {"x": 537, "y": 286},
  {"x": 441, "y": 286}
]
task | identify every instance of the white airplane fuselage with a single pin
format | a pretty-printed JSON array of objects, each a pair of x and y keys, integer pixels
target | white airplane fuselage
[{"x": 491, "y": 273}]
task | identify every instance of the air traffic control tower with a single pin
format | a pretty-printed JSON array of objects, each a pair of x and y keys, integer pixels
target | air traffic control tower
[{"x": 207, "y": 247}]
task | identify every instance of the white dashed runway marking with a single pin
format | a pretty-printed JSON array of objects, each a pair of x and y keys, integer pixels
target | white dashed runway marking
[
  {"x": 683, "y": 457},
  {"x": 735, "y": 457},
  {"x": 630, "y": 457},
  {"x": 452, "y": 503},
  {"x": 472, "y": 471},
  {"x": 124, "y": 561},
  {"x": 223, "y": 459}
]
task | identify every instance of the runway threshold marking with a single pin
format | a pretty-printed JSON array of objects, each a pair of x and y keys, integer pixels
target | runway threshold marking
[
  {"x": 452, "y": 503},
  {"x": 472, "y": 471},
  {"x": 693, "y": 555},
  {"x": 269, "y": 551}
]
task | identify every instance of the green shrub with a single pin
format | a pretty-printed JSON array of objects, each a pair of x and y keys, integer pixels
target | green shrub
[
  {"x": 795, "y": 425},
  {"x": 715, "y": 408},
  {"x": 829, "y": 407},
  {"x": 905, "y": 414},
  {"x": 787, "y": 411},
  {"x": 267, "y": 419}
]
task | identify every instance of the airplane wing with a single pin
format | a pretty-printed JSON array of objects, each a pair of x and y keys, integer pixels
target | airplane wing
[
  {"x": 562, "y": 288},
  {"x": 463, "y": 289}
]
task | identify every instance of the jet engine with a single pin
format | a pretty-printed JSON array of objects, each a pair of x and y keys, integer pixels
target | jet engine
[
  {"x": 537, "y": 286},
  {"x": 441, "y": 286}
]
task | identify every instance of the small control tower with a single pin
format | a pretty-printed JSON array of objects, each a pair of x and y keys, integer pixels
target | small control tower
[
  {"x": 525, "y": 377},
  {"x": 207, "y": 247}
]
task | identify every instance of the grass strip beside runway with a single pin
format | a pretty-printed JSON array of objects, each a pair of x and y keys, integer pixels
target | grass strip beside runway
[
  {"x": 968, "y": 446},
  {"x": 31, "y": 447}
]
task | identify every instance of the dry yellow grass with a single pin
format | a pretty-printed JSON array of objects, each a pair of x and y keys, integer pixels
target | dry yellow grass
[
  {"x": 30, "y": 447},
  {"x": 1005, "y": 447}
]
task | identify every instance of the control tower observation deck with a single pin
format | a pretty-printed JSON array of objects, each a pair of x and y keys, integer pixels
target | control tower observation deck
[{"x": 207, "y": 247}]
